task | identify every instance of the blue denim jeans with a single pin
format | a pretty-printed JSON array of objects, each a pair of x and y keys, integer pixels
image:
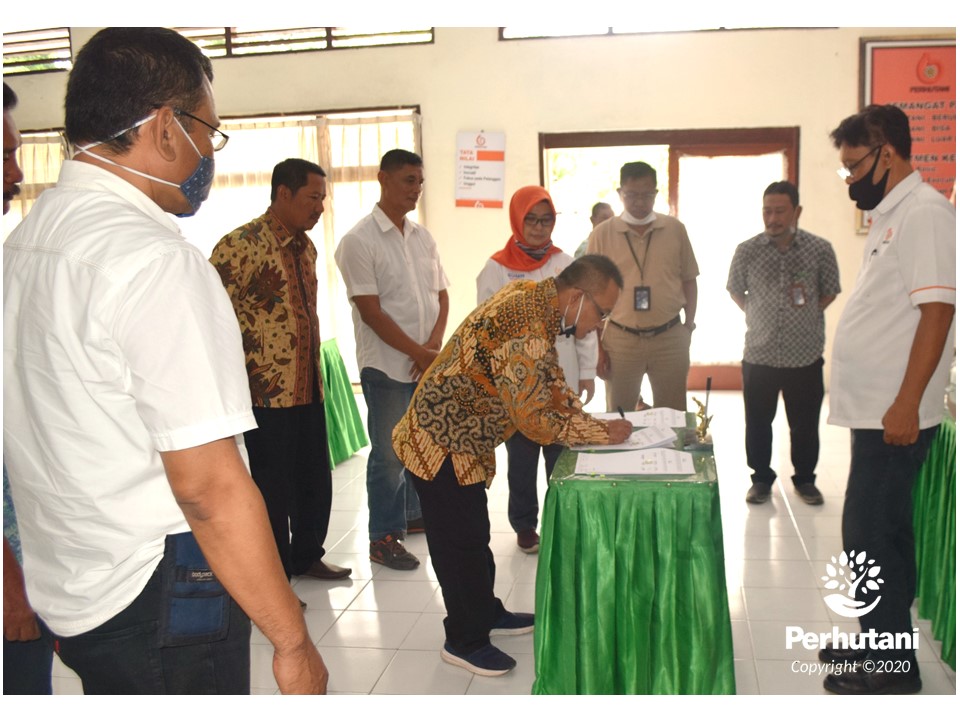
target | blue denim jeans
[
  {"x": 391, "y": 498},
  {"x": 523, "y": 460}
]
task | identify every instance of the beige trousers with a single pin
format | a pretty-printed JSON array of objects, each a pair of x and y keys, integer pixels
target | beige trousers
[{"x": 665, "y": 358}]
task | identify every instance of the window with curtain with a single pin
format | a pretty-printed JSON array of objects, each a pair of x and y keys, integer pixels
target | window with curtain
[
  {"x": 40, "y": 156},
  {"x": 348, "y": 146}
]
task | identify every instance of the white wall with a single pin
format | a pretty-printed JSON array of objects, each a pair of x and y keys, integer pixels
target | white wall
[{"x": 467, "y": 80}]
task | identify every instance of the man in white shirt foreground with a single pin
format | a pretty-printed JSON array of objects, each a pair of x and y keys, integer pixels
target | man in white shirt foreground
[
  {"x": 891, "y": 358},
  {"x": 124, "y": 390}
]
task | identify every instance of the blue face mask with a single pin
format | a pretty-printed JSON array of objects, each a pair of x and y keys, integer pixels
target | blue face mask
[{"x": 195, "y": 188}]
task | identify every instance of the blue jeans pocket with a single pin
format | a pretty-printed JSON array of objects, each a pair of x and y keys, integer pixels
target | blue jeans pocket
[{"x": 195, "y": 606}]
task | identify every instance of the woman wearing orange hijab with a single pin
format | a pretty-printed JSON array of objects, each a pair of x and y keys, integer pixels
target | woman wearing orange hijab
[{"x": 530, "y": 255}]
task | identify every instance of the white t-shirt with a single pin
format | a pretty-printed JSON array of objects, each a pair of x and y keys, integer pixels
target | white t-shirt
[
  {"x": 909, "y": 259},
  {"x": 578, "y": 358},
  {"x": 119, "y": 342},
  {"x": 404, "y": 271}
]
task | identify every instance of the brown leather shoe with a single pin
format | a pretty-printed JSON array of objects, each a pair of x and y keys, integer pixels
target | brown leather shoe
[
  {"x": 415, "y": 526},
  {"x": 528, "y": 541},
  {"x": 326, "y": 571}
]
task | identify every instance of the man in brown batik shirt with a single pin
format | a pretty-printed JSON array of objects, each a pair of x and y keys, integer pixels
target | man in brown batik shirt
[{"x": 268, "y": 267}]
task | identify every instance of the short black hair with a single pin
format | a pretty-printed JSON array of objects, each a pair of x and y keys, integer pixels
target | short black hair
[
  {"x": 598, "y": 206},
  {"x": 397, "y": 158},
  {"x": 637, "y": 170},
  {"x": 590, "y": 273},
  {"x": 876, "y": 125},
  {"x": 122, "y": 75},
  {"x": 784, "y": 187},
  {"x": 292, "y": 173},
  {"x": 9, "y": 98}
]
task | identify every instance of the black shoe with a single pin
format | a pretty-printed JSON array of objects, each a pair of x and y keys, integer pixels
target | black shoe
[
  {"x": 488, "y": 660},
  {"x": 758, "y": 493},
  {"x": 830, "y": 654},
  {"x": 861, "y": 682},
  {"x": 808, "y": 493}
]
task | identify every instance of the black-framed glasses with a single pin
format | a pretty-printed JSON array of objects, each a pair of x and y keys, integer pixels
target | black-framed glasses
[
  {"x": 600, "y": 311},
  {"x": 844, "y": 171},
  {"x": 645, "y": 196},
  {"x": 545, "y": 222},
  {"x": 217, "y": 137}
]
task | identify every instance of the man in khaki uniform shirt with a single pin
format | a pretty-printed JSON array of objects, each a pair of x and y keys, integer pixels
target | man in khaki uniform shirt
[{"x": 646, "y": 334}]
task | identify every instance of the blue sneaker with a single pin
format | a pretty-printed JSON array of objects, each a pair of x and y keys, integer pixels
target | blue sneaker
[
  {"x": 513, "y": 624},
  {"x": 487, "y": 661}
]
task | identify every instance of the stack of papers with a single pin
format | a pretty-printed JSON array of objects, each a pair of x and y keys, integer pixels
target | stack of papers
[
  {"x": 655, "y": 417},
  {"x": 656, "y": 461},
  {"x": 650, "y": 437}
]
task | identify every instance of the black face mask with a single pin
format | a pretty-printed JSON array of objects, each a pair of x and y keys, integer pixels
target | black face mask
[{"x": 864, "y": 193}]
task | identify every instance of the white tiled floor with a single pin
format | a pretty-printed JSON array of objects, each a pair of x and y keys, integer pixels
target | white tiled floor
[{"x": 380, "y": 632}]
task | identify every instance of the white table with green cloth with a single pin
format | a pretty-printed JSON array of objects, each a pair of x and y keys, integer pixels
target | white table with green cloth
[{"x": 631, "y": 593}]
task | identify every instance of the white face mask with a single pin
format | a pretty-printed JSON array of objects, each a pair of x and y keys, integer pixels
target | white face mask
[
  {"x": 569, "y": 331},
  {"x": 631, "y": 220}
]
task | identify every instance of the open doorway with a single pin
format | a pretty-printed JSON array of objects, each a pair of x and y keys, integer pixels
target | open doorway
[{"x": 712, "y": 180}]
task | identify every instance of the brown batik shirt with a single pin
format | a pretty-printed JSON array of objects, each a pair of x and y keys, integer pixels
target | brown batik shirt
[
  {"x": 271, "y": 277},
  {"x": 497, "y": 375}
]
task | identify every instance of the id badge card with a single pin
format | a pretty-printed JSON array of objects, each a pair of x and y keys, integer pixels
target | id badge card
[
  {"x": 641, "y": 297},
  {"x": 798, "y": 295}
]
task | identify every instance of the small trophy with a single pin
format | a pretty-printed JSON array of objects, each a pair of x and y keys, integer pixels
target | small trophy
[{"x": 704, "y": 440}]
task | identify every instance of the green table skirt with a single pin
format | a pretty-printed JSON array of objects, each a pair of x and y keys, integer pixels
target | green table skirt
[
  {"x": 631, "y": 592},
  {"x": 935, "y": 521},
  {"x": 345, "y": 433}
]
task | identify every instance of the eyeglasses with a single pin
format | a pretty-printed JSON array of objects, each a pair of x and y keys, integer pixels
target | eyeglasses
[
  {"x": 645, "y": 196},
  {"x": 544, "y": 222},
  {"x": 847, "y": 171},
  {"x": 218, "y": 138},
  {"x": 604, "y": 314}
]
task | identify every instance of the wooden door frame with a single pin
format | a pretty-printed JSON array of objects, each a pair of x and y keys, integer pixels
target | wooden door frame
[{"x": 706, "y": 142}]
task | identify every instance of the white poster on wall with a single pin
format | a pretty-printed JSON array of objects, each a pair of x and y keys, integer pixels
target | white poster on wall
[{"x": 480, "y": 169}]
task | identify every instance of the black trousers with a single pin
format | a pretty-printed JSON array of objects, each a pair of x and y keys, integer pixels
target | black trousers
[
  {"x": 802, "y": 390},
  {"x": 134, "y": 652},
  {"x": 457, "y": 526},
  {"x": 878, "y": 520},
  {"x": 290, "y": 463}
]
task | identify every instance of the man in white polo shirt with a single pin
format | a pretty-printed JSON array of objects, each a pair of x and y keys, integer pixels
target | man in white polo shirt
[
  {"x": 397, "y": 286},
  {"x": 890, "y": 367},
  {"x": 124, "y": 390}
]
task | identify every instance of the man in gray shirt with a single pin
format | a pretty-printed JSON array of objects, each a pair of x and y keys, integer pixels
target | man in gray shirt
[{"x": 783, "y": 279}]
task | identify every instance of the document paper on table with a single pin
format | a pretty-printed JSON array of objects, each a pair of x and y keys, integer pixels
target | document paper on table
[
  {"x": 648, "y": 437},
  {"x": 655, "y": 417},
  {"x": 657, "y": 461}
]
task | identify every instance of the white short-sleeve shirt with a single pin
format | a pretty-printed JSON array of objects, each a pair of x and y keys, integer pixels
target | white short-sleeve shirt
[
  {"x": 119, "y": 343},
  {"x": 404, "y": 271},
  {"x": 577, "y": 358},
  {"x": 909, "y": 259}
]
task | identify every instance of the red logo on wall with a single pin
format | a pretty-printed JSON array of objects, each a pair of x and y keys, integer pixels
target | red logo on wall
[{"x": 928, "y": 70}]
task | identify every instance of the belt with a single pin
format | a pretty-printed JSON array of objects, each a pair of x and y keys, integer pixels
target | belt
[{"x": 648, "y": 332}]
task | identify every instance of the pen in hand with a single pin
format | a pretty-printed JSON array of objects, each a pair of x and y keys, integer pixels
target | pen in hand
[{"x": 620, "y": 410}]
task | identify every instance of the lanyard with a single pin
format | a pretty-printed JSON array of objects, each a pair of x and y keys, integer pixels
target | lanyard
[{"x": 640, "y": 266}]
